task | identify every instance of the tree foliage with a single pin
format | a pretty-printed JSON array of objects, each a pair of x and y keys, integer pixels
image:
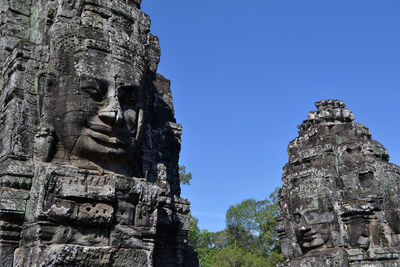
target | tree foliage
[
  {"x": 230, "y": 256},
  {"x": 184, "y": 177},
  {"x": 248, "y": 240}
]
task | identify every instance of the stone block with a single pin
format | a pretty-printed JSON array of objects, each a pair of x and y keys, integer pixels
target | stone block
[
  {"x": 131, "y": 257},
  {"x": 98, "y": 214}
]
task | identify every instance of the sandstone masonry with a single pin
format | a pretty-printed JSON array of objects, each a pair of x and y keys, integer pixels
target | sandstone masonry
[
  {"x": 340, "y": 196},
  {"x": 89, "y": 144}
]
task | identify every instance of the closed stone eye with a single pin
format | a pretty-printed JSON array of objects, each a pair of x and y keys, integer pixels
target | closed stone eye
[
  {"x": 94, "y": 92},
  {"x": 92, "y": 88}
]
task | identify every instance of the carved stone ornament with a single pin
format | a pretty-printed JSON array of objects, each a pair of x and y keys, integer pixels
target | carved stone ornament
[
  {"x": 340, "y": 201},
  {"x": 90, "y": 146}
]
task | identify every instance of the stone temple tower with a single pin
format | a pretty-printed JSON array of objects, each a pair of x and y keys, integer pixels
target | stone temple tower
[
  {"x": 89, "y": 144},
  {"x": 340, "y": 201}
]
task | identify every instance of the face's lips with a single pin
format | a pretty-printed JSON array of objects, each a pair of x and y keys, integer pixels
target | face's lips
[
  {"x": 107, "y": 139},
  {"x": 310, "y": 237},
  {"x": 309, "y": 233},
  {"x": 102, "y": 134},
  {"x": 317, "y": 242},
  {"x": 100, "y": 128},
  {"x": 312, "y": 241}
]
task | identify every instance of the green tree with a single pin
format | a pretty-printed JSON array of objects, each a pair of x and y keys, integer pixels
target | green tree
[
  {"x": 205, "y": 243},
  {"x": 194, "y": 232},
  {"x": 249, "y": 239},
  {"x": 230, "y": 256},
  {"x": 184, "y": 176},
  {"x": 250, "y": 227},
  {"x": 241, "y": 223},
  {"x": 266, "y": 219}
]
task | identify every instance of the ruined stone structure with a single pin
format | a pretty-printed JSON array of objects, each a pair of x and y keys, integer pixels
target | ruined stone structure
[
  {"x": 89, "y": 145},
  {"x": 340, "y": 196}
]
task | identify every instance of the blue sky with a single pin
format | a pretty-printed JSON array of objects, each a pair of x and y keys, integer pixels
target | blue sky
[{"x": 245, "y": 73}]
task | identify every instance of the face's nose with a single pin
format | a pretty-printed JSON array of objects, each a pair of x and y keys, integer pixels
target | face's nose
[
  {"x": 304, "y": 228},
  {"x": 111, "y": 113}
]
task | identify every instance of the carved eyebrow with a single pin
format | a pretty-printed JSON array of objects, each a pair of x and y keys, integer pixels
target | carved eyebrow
[
  {"x": 126, "y": 84},
  {"x": 127, "y": 89},
  {"x": 89, "y": 81},
  {"x": 315, "y": 217}
]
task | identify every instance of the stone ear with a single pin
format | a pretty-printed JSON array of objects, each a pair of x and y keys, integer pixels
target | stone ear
[
  {"x": 45, "y": 143},
  {"x": 50, "y": 82},
  {"x": 46, "y": 82},
  {"x": 45, "y": 138}
]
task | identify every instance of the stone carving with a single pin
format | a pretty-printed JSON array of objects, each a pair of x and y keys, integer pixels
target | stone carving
[
  {"x": 340, "y": 198},
  {"x": 90, "y": 146}
]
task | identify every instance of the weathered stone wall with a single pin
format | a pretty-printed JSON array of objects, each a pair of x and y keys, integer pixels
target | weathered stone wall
[
  {"x": 340, "y": 196},
  {"x": 90, "y": 146}
]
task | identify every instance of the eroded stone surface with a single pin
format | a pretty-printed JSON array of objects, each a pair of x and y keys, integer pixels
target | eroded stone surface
[
  {"x": 340, "y": 196},
  {"x": 90, "y": 146}
]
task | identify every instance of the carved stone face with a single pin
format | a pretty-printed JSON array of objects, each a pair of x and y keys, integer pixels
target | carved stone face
[
  {"x": 392, "y": 216},
  {"x": 313, "y": 220},
  {"x": 98, "y": 109},
  {"x": 358, "y": 231},
  {"x": 313, "y": 228}
]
